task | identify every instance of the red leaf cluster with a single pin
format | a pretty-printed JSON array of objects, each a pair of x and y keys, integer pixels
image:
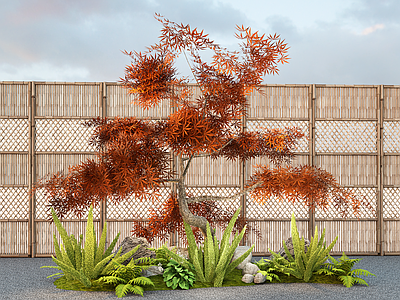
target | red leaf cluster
[
  {"x": 314, "y": 186},
  {"x": 134, "y": 160}
]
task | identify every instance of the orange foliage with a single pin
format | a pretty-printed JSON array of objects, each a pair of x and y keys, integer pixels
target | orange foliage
[
  {"x": 133, "y": 159},
  {"x": 314, "y": 186}
]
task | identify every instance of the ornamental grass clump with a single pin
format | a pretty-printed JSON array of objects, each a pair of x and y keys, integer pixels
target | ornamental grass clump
[
  {"x": 304, "y": 264},
  {"x": 212, "y": 260},
  {"x": 84, "y": 264}
]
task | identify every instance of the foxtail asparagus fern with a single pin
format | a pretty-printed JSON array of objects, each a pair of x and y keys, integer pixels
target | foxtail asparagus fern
[
  {"x": 212, "y": 261},
  {"x": 304, "y": 264},
  {"x": 84, "y": 264}
]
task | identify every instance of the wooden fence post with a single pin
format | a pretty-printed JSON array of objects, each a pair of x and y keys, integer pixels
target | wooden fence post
[
  {"x": 311, "y": 157},
  {"x": 242, "y": 179},
  {"x": 103, "y": 206},
  {"x": 32, "y": 170},
  {"x": 380, "y": 157}
]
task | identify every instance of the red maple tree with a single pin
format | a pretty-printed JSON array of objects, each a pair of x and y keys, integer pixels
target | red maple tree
[{"x": 132, "y": 152}]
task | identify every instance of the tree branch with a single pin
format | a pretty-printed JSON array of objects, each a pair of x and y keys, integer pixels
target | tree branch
[
  {"x": 208, "y": 154},
  {"x": 213, "y": 198}
]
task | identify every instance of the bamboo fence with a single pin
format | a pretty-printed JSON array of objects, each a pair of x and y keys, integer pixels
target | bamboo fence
[{"x": 352, "y": 131}]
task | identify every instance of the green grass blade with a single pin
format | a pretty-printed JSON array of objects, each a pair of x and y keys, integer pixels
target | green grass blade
[
  {"x": 64, "y": 236},
  {"x": 89, "y": 245},
  {"x": 102, "y": 245}
]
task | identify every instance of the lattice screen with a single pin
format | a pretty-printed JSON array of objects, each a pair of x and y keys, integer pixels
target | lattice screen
[
  {"x": 62, "y": 135},
  {"x": 14, "y": 135},
  {"x": 15, "y": 203},
  {"x": 391, "y": 203},
  {"x": 369, "y": 194},
  {"x": 353, "y": 136},
  {"x": 217, "y": 191},
  {"x": 274, "y": 209},
  {"x": 132, "y": 208},
  {"x": 391, "y": 134}
]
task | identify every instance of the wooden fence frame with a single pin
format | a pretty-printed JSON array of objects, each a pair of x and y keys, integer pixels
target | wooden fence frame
[{"x": 312, "y": 155}]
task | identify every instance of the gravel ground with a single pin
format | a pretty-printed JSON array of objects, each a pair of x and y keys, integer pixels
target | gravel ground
[{"x": 22, "y": 278}]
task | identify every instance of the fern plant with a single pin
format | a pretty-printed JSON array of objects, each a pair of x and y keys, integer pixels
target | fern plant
[
  {"x": 267, "y": 269},
  {"x": 175, "y": 275},
  {"x": 304, "y": 264},
  {"x": 343, "y": 270},
  {"x": 84, "y": 264},
  {"x": 128, "y": 278}
]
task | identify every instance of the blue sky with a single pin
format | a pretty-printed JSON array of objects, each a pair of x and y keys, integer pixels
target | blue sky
[{"x": 331, "y": 41}]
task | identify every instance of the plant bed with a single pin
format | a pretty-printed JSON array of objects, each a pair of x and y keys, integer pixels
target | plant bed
[
  {"x": 235, "y": 279},
  {"x": 209, "y": 265}
]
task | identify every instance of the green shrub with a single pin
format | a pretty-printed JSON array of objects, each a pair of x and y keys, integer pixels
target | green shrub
[
  {"x": 304, "y": 264},
  {"x": 128, "y": 278},
  {"x": 212, "y": 261},
  {"x": 342, "y": 269},
  {"x": 84, "y": 264},
  {"x": 176, "y": 275}
]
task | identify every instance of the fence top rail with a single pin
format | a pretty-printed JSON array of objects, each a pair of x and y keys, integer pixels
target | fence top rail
[{"x": 319, "y": 85}]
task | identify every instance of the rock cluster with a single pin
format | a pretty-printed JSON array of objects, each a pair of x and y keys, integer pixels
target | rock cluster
[{"x": 250, "y": 274}]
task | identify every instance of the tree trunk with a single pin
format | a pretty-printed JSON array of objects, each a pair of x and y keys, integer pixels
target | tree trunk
[{"x": 186, "y": 214}]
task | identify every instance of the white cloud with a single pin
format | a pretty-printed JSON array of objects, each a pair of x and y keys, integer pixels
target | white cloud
[
  {"x": 43, "y": 71},
  {"x": 372, "y": 29}
]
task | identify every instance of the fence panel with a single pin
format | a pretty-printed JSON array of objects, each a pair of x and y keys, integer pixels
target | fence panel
[{"x": 41, "y": 133}]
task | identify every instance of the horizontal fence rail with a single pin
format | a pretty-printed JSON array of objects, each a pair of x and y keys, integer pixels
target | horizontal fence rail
[{"x": 352, "y": 132}]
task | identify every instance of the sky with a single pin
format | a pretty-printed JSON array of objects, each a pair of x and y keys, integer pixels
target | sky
[{"x": 331, "y": 41}]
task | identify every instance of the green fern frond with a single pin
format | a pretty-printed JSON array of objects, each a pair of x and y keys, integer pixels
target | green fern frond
[
  {"x": 102, "y": 245},
  {"x": 360, "y": 281},
  {"x": 90, "y": 240},
  {"x": 348, "y": 281},
  {"x": 57, "y": 248},
  {"x": 361, "y": 272},
  {"x": 122, "y": 289},
  {"x": 142, "y": 281},
  {"x": 290, "y": 257}
]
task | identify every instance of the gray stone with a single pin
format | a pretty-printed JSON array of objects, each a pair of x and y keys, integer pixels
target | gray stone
[
  {"x": 152, "y": 271},
  {"x": 240, "y": 250},
  {"x": 289, "y": 244},
  {"x": 250, "y": 268},
  {"x": 130, "y": 243},
  {"x": 259, "y": 278},
  {"x": 248, "y": 278}
]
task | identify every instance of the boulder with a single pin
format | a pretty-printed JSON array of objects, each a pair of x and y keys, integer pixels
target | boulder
[
  {"x": 238, "y": 253},
  {"x": 250, "y": 268},
  {"x": 152, "y": 271},
  {"x": 289, "y": 244},
  {"x": 248, "y": 278},
  {"x": 259, "y": 278},
  {"x": 131, "y": 242}
]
